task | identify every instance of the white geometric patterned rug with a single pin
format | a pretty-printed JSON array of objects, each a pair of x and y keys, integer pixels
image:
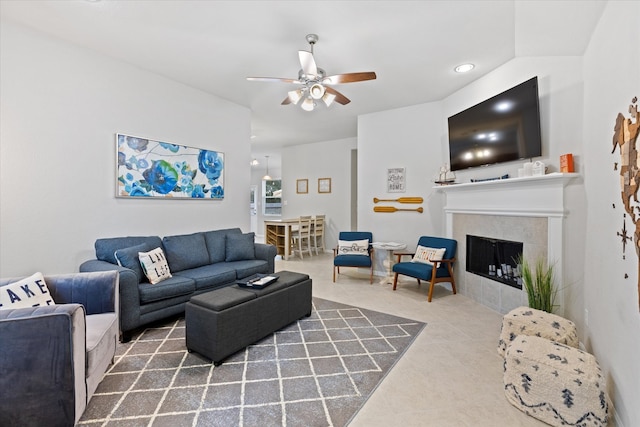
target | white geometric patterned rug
[{"x": 317, "y": 371}]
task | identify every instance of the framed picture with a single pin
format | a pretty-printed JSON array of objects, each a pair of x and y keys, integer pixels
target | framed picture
[
  {"x": 148, "y": 168},
  {"x": 324, "y": 185},
  {"x": 395, "y": 180},
  {"x": 302, "y": 186}
]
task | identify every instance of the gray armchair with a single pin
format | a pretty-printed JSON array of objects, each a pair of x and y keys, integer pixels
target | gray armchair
[{"x": 52, "y": 358}]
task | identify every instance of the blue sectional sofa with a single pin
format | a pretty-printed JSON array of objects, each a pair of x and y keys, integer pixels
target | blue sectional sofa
[{"x": 198, "y": 263}]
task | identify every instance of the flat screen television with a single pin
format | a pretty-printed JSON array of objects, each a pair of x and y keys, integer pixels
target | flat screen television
[{"x": 503, "y": 128}]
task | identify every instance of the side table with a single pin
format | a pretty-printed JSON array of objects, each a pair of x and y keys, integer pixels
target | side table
[{"x": 388, "y": 262}]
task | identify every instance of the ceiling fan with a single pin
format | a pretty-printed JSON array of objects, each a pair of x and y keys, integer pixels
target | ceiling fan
[{"x": 314, "y": 83}]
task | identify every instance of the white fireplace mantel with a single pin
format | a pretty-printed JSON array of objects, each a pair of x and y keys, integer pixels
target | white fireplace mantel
[
  {"x": 527, "y": 196},
  {"x": 537, "y": 196}
]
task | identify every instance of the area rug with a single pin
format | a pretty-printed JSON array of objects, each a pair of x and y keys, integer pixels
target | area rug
[{"x": 318, "y": 371}]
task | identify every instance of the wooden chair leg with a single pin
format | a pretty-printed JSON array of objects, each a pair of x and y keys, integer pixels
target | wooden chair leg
[
  {"x": 453, "y": 281},
  {"x": 334, "y": 274},
  {"x": 433, "y": 283},
  {"x": 430, "y": 291},
  {"x": 395, "y": 280},
  {"x": 371, "y": 275}
]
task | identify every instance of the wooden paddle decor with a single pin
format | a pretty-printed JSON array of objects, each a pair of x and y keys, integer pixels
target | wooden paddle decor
[
  {"x": 394, "y": 209},
  {"x": 400, "y": 200}
]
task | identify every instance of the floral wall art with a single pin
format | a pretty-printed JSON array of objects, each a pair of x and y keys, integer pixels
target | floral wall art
[{"x": 148, "y": 168}]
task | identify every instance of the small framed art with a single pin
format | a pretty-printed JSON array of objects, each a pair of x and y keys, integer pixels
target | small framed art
[
  {"x": 324, "y": 185},
  {"x": 302, "y": 186}
]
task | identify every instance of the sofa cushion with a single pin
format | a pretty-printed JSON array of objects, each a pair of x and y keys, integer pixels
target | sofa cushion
[
  {"x": 106, "y": 248},
  {"x": 216, "y": 243},
  {"x": 102, "y": 332},
  {"x": 210, "y": 276},
  {"x": 249, "y": 267},
  {"x": 172, "y": 287},
  {"x": 185, "y": 251},
  {"x": 31, "y": 291},
  {"x": 240, "y": 247},
  {"x": 128, "y": 257},
  {"x": 154, "y": 265}
]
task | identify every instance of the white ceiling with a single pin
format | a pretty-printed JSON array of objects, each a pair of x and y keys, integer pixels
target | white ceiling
[{"x": 413, "y": 47}]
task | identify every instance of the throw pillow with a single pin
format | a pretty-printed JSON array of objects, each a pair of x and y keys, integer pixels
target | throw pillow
[
  {"x": 29, "y": 292},
  {"x": 128, "y": 257},
  {"x": 154, "y": 264},
  {"x": 239, "y": 247},
  {"x": 353, "y": 247},
  {"x": 425, "y": 255}
]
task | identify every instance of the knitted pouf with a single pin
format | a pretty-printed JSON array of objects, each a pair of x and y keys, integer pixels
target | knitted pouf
[
  {"x": 529, "y": 321},
  {"x": 555, "y": 383}
]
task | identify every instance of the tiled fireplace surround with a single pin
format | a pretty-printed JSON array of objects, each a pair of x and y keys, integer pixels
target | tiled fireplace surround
[{"x": 529, "y": 210}]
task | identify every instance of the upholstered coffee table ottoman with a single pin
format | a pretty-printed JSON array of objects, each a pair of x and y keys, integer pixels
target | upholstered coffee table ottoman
[{"x": 224, "y": 321}]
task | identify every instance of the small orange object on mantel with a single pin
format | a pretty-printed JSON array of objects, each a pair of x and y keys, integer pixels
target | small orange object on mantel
[{"x": 566, "y": 163}]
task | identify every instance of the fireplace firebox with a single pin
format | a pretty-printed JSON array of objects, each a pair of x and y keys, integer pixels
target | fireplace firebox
[{"x": 495, "y": 259}]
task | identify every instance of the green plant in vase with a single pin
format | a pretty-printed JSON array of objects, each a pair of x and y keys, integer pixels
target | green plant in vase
[{"x": 539, "y": 284}]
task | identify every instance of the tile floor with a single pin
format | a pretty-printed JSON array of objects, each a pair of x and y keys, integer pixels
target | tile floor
[{"x": 450, "y": 376}]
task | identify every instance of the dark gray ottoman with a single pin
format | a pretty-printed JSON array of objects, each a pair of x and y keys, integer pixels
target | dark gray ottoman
[{"x": 224, "y": 321}]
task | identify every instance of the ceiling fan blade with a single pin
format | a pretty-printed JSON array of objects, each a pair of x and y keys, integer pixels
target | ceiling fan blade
[
  {"x": 286, "y": 101},
  {"x": 307, "y": 63},
  {"x": 349, "y": 78},
  {"x": 340, "y": 98},
  {"x": 273, "y": 79}
]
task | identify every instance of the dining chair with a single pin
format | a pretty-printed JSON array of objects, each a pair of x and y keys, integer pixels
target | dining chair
[
  {"x": 317, "y": 233},
  {"x": 301, "y": 237}
]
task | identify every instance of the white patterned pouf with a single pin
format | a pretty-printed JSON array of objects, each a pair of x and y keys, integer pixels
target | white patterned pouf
[
  {"x": 555, "y": 383},
  {"x": 529, "y": 321}
]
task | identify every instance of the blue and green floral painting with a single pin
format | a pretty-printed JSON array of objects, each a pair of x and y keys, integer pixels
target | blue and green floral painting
[{"x": 148, "y": 168}]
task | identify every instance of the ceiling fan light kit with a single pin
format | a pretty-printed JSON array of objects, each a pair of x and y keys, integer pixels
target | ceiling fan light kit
[{"x": 315, "y": 84}]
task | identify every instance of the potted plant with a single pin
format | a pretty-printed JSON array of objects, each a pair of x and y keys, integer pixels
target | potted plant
[{"x": 539, "y": 284}]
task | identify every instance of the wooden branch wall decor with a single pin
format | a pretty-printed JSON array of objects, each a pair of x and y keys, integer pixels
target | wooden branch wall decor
[{"x": 625, "y": 136}]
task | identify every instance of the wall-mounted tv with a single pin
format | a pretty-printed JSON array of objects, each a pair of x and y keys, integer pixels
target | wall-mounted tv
[{"x": 503, "y": 128}]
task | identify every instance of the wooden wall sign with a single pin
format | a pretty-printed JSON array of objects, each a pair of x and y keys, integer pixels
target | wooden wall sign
[{"x": 625, "y": 137}]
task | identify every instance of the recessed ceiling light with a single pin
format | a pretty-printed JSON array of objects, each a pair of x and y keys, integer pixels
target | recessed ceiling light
[{"x": 463, "y": 68}]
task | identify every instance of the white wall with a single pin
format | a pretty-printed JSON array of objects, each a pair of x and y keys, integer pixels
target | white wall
[
  {"x": 60, "y": 109},
  {"x": 612, "y": 78},
  {"x": 411, "y": 138},
  {"x": 331, "y": 159}
]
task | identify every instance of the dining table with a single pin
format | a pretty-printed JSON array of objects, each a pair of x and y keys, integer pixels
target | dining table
[{"x": 278, "y": 233}]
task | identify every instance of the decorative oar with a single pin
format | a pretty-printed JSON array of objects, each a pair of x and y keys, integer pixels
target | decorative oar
[
  {"x": 400, "y": 200},
  {"x": 394, "y": 209}
]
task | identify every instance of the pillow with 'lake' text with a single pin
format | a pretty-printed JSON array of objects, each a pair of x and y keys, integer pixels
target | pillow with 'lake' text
[
  {"x": 29, "y": 292},
  {"x": 155, "y": 266},
  {"x": 426, "y": 255}
]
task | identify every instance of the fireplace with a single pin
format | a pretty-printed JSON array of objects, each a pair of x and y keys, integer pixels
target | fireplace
[
  {"x": 528, "y": 210},
  {"x": 495, "y": 259}
]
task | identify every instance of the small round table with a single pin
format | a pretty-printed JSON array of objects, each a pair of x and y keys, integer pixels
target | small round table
[{"x": 388, "y": 263}]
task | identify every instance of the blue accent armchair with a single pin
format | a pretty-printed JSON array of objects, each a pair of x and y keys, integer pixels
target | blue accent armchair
[
  {"x": 443, "y": 271},
  {"x": 353, "y": 260},
  {"x": 53, "y": 357}
]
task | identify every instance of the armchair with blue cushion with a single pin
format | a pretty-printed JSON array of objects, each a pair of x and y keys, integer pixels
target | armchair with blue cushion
[
  {"x": 52, "y": 357},
  {"x": 424, "y": 269},
  {"x": 356, "y": 254}
]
